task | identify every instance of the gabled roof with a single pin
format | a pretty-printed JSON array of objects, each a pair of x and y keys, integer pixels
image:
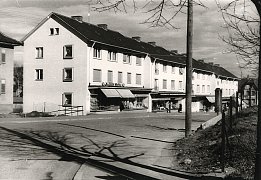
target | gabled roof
[
  {"x": 7, "y": 41},
  {"x": 91, "y": 34},
  {"x": 247, "y": 81}
]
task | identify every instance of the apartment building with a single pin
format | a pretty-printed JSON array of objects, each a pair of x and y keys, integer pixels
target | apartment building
[
  {"x": 6, "y": 72},
  {"x": 68, "y": 62}
]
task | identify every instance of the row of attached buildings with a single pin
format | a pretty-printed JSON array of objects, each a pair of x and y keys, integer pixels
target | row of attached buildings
[{"x": 71, "y": 63}]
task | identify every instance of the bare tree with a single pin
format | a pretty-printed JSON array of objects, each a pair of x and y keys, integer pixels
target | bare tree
[
  {"x": 242, "y": 24},
  {"x": 161, "y": 13}
]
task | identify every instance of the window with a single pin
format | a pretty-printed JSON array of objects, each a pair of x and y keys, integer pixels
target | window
[
  {"x": 54, "y": 31},
  {"x": 67, "y": 74},
  {"x": 173, "y": 69},
  {"x": 180, "y": 85},
  {"x": 112, "y": 56},
  {"x": 51, "y": 31},
  {"x": 156, "y": 84},
  {"x": 96, "y": 75},
  {"x": 110, "y": 76},
  {"x": 203, "y": 76},
  {"x": 198, "y": 76},
  {"x": 208, "y": 88},
  {"x": 181, "y": 71},
  {"x": 198, "y": 89},
  {"x": 96, "y": 53},
  {"x": 3, "y": 56},
  {"x": 138, "y": 61},
  {"x": 128, "y": 78},
  {"x": 138, "y": 79},
  {"x": 3, "y": 86},
  {"x": 57, "y": 31},
  {"x": 119, "y": 77},
  {"x": 39, "y": 74},
  {"x": 68, "y": 52},
  {"x": 164, "y": 84},
  {"x": 172, "y": 84},
  {"x": 126, "y": 58},
  {"x": 157, "y": 68},
  {"x": 203, "y": 88},
  {"x": 164, "y": 68},
  {"x": 39, "y": 52},
  {"x": 67, "y": 99}
]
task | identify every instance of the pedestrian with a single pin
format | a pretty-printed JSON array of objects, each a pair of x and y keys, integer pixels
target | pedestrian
[
  {"x": 167, "y": 106},
  {"x": 180, "y": 108},
  {"x": 170, "y": 105}
]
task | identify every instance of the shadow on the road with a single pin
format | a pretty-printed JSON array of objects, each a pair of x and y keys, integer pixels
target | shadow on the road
[{"x": 45, "y": 142}]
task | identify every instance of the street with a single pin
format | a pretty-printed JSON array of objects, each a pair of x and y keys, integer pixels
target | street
[{"x": 56, "y": 148}]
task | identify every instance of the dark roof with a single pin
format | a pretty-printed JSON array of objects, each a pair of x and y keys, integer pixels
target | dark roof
[
  {"x": 247, "y": 81},
  {"x": 8, "y": 41},
  {"x": 90, "y": 33}
]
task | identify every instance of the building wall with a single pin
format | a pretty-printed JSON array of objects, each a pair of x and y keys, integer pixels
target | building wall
[
  {"x": 169, "y": 75},
  {"x": 202, "y": 84},
  {"x": 105, "y": 65},
  {"x": 229, "y": 87},
  {"x": 6, "y": 73},
  {"x": 46, "y": 95}
]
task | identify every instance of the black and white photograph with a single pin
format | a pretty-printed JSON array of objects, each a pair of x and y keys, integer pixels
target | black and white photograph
[{"x": 130, "y": 90}]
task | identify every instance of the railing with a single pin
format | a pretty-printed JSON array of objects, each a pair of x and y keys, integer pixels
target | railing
[{"x": 68, "y": 110}]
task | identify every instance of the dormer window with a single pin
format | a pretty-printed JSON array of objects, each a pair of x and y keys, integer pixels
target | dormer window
[
  {"x": 96, "y": 53},
  {"x": 126, "y": 59},
  {"x": 112, "y": 56}
]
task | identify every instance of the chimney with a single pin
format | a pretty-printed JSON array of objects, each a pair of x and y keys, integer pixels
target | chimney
[
  {"x": 137, "y": 38},
  {"x": 174, "y": 51},
  {"x": 77, "y": 18},
  {"x": 153, "y": 43},
  {"x": 201, "y": 61},
  {"x": 217, "y": 65},
  {"x": 104, "y": 26},
  {"x": 211, "y": 63}
]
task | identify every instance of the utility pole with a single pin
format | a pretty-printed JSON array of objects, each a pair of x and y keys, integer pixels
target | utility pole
[
  {"x": 258, "y": 139},
  {"x": 188, "y": 117}
]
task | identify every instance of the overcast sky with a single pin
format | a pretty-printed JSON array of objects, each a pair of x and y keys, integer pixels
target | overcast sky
[{"x": 18, "y": 17}]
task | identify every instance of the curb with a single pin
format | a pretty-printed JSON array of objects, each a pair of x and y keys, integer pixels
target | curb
[
  {"x": 135, "y": 171},
  {"x": 210, "y": 122}
]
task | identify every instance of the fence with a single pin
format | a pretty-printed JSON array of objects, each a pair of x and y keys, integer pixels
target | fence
[
  {"x": 231, "y": 136},
  {"x": 68, "y": 110}
]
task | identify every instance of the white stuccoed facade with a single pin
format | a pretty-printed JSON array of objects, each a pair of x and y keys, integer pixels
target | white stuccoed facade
[{"x": 158, "y": 81}]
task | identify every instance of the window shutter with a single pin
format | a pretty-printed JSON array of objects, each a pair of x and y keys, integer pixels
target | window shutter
[
  {"x": 3, "y": 86},
  {"x": 3, "y": 57}
]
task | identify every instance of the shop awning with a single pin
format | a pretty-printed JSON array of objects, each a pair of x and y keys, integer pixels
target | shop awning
[
  {"x": 211, "y": 99},
  {"x": 111, "y": 93},
  {"x": 125, "y": 93}
]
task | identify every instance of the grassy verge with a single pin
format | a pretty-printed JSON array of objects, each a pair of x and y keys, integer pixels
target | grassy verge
[{"x": 201, "y": 152}]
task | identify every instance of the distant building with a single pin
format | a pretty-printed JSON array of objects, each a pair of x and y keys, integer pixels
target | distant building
[
  {"x": 6, "y": 72},
  {"x": 71, "y": 63},
  {"x": 248, "y": 92}
]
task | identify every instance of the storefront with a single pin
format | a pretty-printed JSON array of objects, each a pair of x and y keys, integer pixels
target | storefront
[
  {"x": 118, "y": 99},
  {"x": 173, "y": 99}
]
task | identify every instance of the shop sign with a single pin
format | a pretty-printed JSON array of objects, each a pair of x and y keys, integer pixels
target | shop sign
[{"x": 111, "y": 84}]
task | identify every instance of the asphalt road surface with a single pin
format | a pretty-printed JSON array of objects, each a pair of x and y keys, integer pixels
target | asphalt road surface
[{"x": 56, "y": 148}]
